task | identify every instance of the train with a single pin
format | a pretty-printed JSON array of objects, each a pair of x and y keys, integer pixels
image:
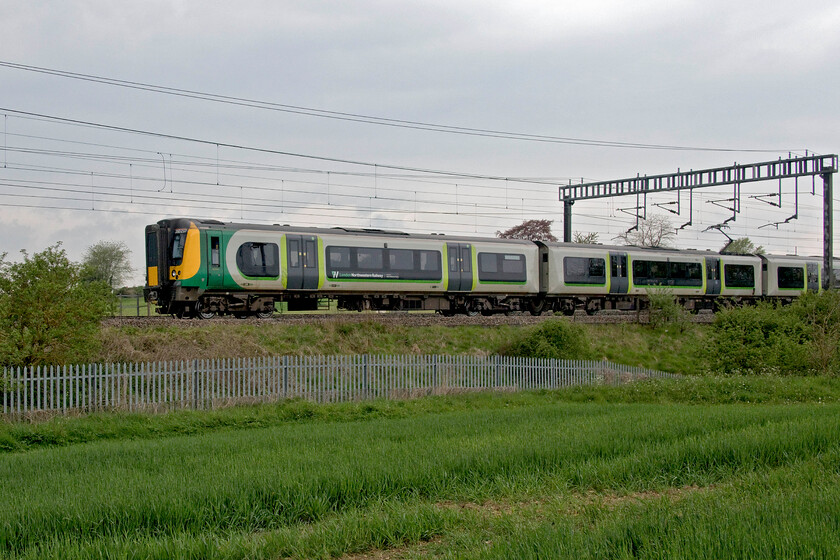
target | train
[{"x": 204, "y": 268}]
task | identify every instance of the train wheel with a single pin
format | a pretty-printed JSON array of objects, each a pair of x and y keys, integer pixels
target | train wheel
[
  {"x": 265, "y": 314},
  {"x": 536, "y": 307},
  {"x": 203, "y": 313}
]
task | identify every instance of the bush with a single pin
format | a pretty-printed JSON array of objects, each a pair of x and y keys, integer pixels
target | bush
[
  {"x": 48, "y": 315},
  {"x": 821, "y": 314},
  {"x": 801, "y": 338},
  {"x": 557, "y": 339},
  {"x": 664, "y": 309}
]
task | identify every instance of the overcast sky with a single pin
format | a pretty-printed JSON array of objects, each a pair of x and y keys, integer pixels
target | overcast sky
[{"x": 735, "y": 81}]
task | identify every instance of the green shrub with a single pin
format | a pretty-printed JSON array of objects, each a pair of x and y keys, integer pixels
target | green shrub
[
  {"x": 821, "y": 313},
  {"x": 801, "y": 338},
  {"x": 557, "y": 339},
  {"x": 665, "y": 309},
  {"x": 48, "y": 315}
]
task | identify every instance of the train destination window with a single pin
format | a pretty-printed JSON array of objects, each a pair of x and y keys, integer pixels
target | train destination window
[
  {"x": 664, "y": 273},
  {"x": 259, "y": 260},
  {"x": 739, "y": 275},
  {"x": 371, "y": 263},
  {"x": 501, "y": 267},
  {"x": 584, "y": 270},
  {"x": 791, "y": 278}
]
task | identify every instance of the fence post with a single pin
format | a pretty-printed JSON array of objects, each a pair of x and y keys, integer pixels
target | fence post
[
  {"x": 195, "y": 383},
  {"x": 285, "y": 377},
  {"x": 365, "y": 376}
]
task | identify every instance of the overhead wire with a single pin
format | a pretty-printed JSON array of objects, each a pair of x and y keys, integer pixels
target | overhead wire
[{"x": 367, "y": 119}]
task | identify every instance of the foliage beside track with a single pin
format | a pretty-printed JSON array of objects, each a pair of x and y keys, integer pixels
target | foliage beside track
[
  {"x": 49, "y": 314},
  {"x": 551, "y": 479},
  {"x": 666, "y": 349},
  {"x": 800, "y": 339}
]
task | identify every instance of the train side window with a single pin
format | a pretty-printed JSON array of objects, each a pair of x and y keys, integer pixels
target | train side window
[
  {"x": 597, "y": 268},
  {"x": 685, "y": 274},
  {"x": 401, "y": 259},
  {"x": 369, "y": 258},
  {"x": 501, "y": 267},
  {"x": 258, "y": 260},
  {"x": 791, "y": 277},
  {"x": 487, "y": 262},
  {"x": 513, "y": 264},
  {"x": 430, "y": 261},
  {"x": 374, "y": 263},
  {"x": 739, "y": 275},
  {"x": 339, "y": 258},
  {"x": 215, "y": 257},
  {"x": 584, "y": 270},
  {"x": 650, "y": 273}
]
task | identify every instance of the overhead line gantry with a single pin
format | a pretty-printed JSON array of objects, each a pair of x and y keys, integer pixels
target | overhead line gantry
[{"x": 824, "y": 166}]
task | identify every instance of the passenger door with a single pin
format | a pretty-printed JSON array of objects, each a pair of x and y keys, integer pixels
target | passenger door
[
  {"x": 302, "y": 262},
  {"x": 713, "y": 284},
  {"x": 460, "y": 267},
  {"x": 619, "y": 283},
  {"x": 215, "y": 262}
]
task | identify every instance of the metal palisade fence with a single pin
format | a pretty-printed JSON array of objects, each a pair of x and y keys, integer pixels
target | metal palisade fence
[{"x": 206, "y": 384}]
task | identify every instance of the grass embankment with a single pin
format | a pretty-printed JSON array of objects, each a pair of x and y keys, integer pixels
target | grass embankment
[
  {"x": 674, "y": 350},
  {"x": 482, "y": 476}
]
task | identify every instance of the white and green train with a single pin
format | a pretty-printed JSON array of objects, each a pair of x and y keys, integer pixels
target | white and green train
[{"x": 205, "y": 267}]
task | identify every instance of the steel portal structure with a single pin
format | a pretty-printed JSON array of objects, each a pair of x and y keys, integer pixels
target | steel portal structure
[{"x": 824, "y": 166}]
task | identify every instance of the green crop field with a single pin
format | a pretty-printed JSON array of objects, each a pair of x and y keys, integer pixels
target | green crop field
[{"x": 480, "y": 476}]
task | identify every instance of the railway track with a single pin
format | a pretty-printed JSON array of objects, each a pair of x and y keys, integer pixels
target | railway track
[{"x": 400, "y": 318}]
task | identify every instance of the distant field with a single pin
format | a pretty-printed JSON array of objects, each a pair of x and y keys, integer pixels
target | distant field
[{"x": 508, "y": 476}]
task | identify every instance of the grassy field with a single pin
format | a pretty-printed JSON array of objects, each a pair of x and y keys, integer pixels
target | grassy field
[{"x": 649, "y": 471}]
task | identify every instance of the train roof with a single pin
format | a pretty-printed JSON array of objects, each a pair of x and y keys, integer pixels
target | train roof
[{"x": 373, "y": 232}]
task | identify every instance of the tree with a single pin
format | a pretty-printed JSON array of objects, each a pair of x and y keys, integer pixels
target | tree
[
  {"x": 48, "y": 314},
  {"x": 107, "y": 261},
  {"x": 656, "y": 231},
  {"x": 588, "y": 238},
  {"x": 532, "y": 230},
  {"x": 741, "y": 246}
]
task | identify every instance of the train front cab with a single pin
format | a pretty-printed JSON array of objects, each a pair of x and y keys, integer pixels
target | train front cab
[{"x": 173, "y": 260}]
